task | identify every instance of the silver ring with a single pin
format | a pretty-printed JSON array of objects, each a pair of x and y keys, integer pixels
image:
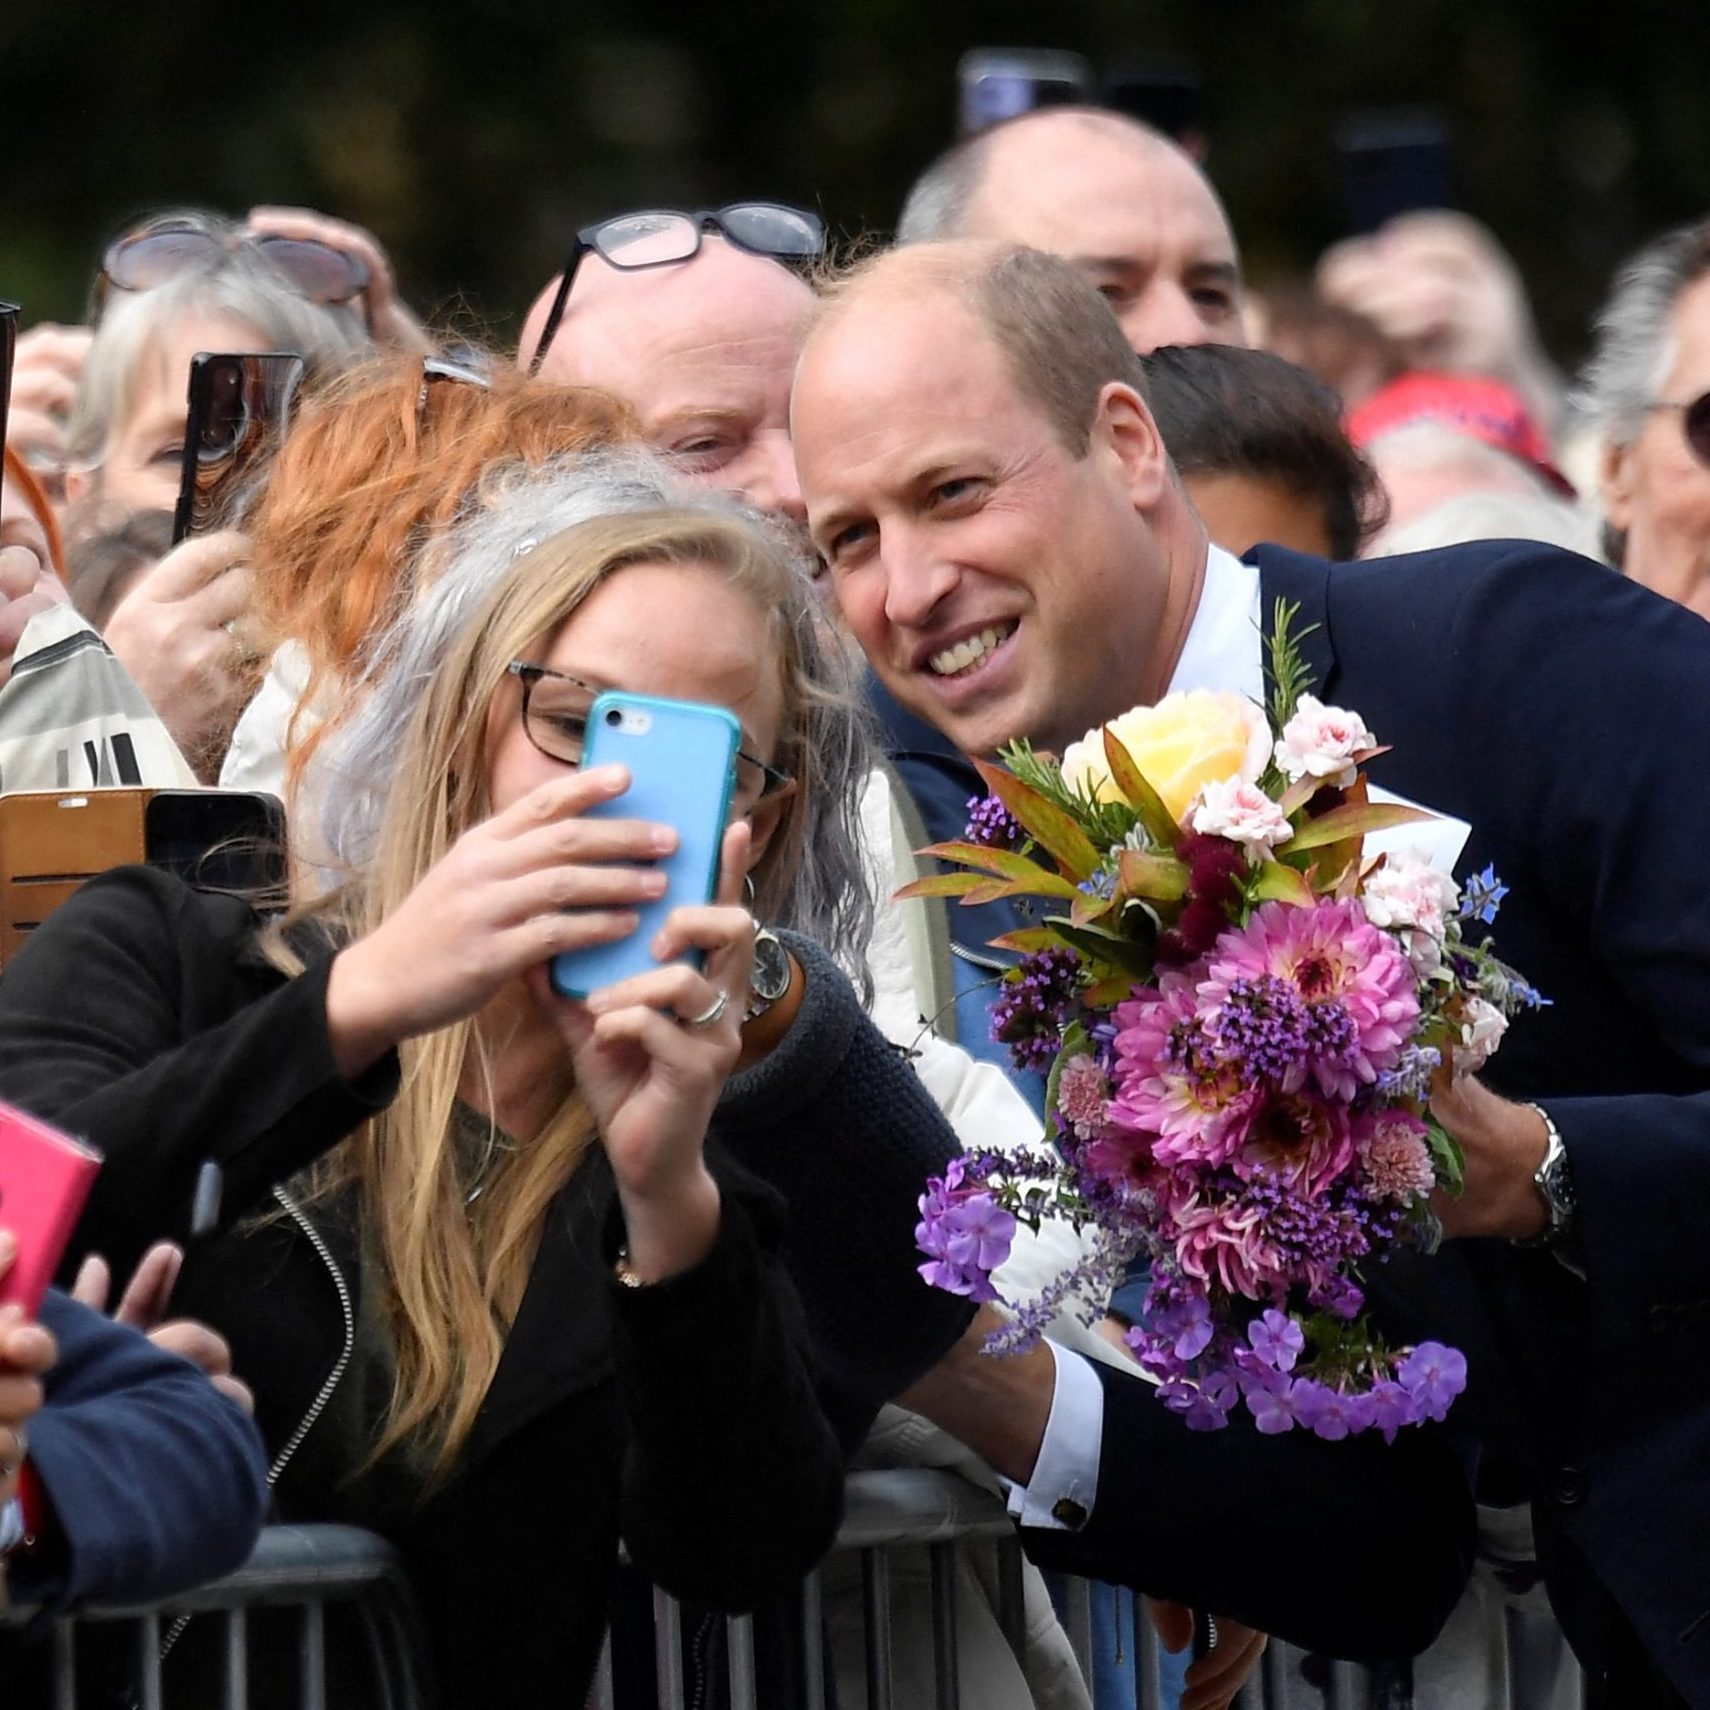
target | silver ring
[{"x": 712, "y": 1012}]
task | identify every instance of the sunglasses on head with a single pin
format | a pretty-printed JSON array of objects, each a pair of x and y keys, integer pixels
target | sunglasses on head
[
  {"x": 163, "y": 249},
  {"x": 658, "y": 237},
  {"x": 1694, "y": 424}
]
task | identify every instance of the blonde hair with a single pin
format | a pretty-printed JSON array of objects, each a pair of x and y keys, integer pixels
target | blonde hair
[{"x": 450, "y": 1274}]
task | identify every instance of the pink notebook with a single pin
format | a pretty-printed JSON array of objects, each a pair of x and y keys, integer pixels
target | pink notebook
[{"x": 45, "y": 1177}]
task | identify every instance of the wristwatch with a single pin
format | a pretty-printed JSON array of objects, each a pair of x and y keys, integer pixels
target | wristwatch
[
  {"x": 769, "y": 978},
  {"x": 1554, "y": 1181}
]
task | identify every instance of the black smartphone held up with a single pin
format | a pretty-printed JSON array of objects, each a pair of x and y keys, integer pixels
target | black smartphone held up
[
  {"x": 239, "y": 407},
  {"x": 218, "y": 840},
  {"x": 1166, "y": 94},
  {"x": 1393, "y": 162},
  {"x": 1002, "y": 83},
  {"x": 8, "y": 349}
]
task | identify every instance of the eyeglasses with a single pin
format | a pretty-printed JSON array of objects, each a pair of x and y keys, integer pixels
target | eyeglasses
[
  {"x": 555, "y": 713},
  {"x": 439, "y": 371},
  {"x": 659, "y": 236},
  {"x": 1694, "y": 423},
  {"x": 163, "y": 249}
]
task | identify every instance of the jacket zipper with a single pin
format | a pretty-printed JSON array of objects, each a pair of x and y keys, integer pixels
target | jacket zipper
[{"x": 333, "y": 1378}]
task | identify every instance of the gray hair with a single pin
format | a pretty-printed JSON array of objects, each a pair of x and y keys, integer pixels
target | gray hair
[
  {"x": 938, "y": 202},
  {"x": 235, "y": 284},
  {"x": 1633, "y": 346},
  {"x": 827, "y": 898},
  {"x": 1491, "y": 516}
]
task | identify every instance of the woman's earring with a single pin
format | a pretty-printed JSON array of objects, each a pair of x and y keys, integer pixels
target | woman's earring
[{"x": 748, "y": 893}]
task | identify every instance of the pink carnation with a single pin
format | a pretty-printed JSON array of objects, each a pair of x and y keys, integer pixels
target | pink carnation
[
  {"x": 1321, "y": 742},
  {"x": 1396, "y": 1157}
]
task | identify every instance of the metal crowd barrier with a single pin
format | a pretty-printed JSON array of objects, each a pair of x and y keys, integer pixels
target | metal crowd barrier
[{"x": 304, "y": 1569}]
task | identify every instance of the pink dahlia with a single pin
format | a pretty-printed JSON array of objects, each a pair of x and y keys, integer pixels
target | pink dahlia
[
  {"x": 1223, "y": 1239},
  {"x": 1172, "y": 1083},
  {"x": 1357, "y": 986},
  {"x": 1298, "y": 1139},
  {"x": 1081, "y": 1094}
]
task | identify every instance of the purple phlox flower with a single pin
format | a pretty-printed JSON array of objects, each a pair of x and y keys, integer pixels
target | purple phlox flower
[
  {"x": 1482, "y": 896},
  {"x": 1433, "y": 1375},
  {"x": 964, "y": 1233},
  {"x": 1186, "y": 1325},
  {"x": 1032, "y": 1005},
  {"x": 992, "y": 825},
  {"x": 1204, "y": 1406},
  {"x": 1391, "y": 1408},
  {"x": 1270, "y": 1400},
  {"x": 1341, "y": 1297},
  {"x": 1327, "y": 1412},
  {"x": 1276, "y": 1339}
]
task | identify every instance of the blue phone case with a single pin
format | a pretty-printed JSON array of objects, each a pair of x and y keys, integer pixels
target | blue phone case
[{"x": 681, "y": 757}]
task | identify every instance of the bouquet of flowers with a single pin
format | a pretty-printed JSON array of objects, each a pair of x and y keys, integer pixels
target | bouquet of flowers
[{"x": 1242, "y": 1015}]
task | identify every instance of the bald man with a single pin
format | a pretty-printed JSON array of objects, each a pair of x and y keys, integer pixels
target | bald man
[
  {"x": 703, "y": 350},
  {"x": 1113, "y": 196}
]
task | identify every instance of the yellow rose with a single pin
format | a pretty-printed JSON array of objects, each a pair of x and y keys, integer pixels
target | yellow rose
[{"x": 1182, "y": 744}]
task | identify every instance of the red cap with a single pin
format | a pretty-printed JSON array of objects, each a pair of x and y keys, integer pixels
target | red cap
[{"x": 1481, "y": 408}]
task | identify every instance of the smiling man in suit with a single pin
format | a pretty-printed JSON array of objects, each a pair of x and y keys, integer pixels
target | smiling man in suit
[{"x": 1009, "y": 543}]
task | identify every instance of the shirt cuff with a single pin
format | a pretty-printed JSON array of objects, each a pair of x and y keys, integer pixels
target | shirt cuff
[{"x": 1064, "y": 1486}]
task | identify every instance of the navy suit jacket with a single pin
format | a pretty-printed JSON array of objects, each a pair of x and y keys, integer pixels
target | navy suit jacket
[{"x": 1565, "y": 714}]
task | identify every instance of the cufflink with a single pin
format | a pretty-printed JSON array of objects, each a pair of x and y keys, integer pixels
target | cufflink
[{"x": 1069, "y": 1513}]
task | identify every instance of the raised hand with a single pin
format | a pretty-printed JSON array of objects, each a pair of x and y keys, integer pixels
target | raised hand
[
  {"x": 389, "y": 319},
  {"x": 651, "y": 1056},
  {"x": 510, "y": 894},
  {"x": 178, "y": 632},
  {"x": 26, "y": 1352},
  {"x": 45, "y": 371}
]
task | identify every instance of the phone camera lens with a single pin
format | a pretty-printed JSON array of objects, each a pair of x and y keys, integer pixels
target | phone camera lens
[{"x": 614, "y": 717}]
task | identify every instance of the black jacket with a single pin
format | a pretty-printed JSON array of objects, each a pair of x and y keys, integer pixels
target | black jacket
[{"x": 702, "y": 1420}]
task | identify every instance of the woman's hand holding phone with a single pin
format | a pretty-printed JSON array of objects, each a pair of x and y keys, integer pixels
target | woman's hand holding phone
[
  {"x": 532, "y": 882},
  {"x": 652, "y": 1054},
  {"x": 26, "y": 1352}
]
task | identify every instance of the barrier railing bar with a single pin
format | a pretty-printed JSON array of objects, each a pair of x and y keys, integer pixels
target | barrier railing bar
[
  {"x": 1012, "y": 1598},
  {"x": 237, "y": 1661},
  {"x": 312, "y": 1657},
  {"x": 1148, "y": 1654},
  {"x": 64, "y": 1665},
  {"x": 813, "y": 1644},
  {"x": 603, "y": 1675},
  {"x": 739, "y": 1641},
  {"x": 1078, "y": 1624},
  {"x": 148, "y": 1661},
  {"x": 876, "y": 1592},
  {"x": 668, "y": 1649},
  {"x": 941, "y": 1561}
]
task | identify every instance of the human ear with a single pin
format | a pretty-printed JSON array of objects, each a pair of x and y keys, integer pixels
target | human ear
[
  {"x": 1617, "y": 478},
  {"x": 1123, "y": 431}
]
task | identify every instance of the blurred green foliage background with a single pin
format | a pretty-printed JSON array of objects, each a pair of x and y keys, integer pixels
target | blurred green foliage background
[{"x": 474, "y": 139}]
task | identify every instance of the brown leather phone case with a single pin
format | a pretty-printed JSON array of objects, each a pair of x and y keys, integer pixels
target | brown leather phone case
[{"x": 53, "y": 840}]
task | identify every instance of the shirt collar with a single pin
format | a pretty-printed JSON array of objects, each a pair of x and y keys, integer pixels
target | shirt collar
[{"x": 1225, "y": 644}]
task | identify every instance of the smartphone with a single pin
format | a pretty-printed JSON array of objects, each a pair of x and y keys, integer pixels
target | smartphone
[
  {"x": 1168, "y": 95},
  {"x": 682, "y": 765},
  {"x": 995, "y": 84},
  {"x": 8, "y": 349},
  {"x": 1393, "y": 162},
  {"x": 45, "y": 1177},
  {"x": 217, "y": 840},
  {"x": 239, "y": 408}
]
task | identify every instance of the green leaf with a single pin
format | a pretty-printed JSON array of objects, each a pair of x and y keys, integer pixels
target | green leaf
[
  {"x": 1277, "y": 883},
  {"x": 1052, "y": 827},
  {"x": 1132, "y": 782},
  {"x": 942, "y": 885},
  {"x": 1028, "y": 940},
  {"x": 1159, "y": 878},
  {"x": 1354, "y": 819},
  {"x": 1113, "y": 949},
  {"x": 1289, "y": 677},
  {"x": 1000, "y": 863},
  {"x": 1447, "y": 1157},
  {"x": 987, "y": 890}
]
